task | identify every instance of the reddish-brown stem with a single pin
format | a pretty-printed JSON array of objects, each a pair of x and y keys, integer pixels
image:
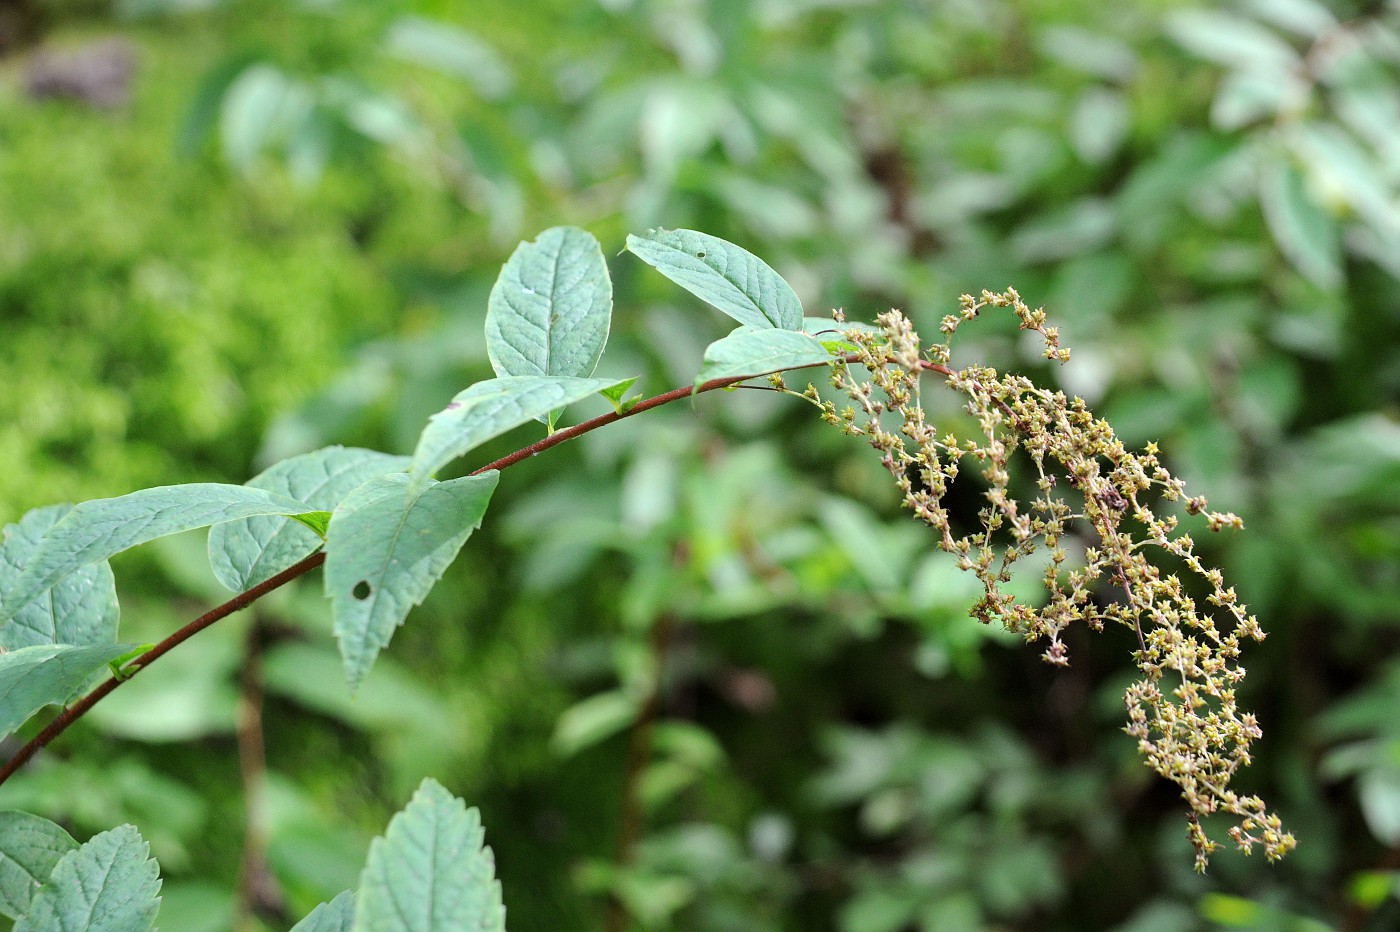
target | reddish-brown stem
[{"x": 80, "y": 708}]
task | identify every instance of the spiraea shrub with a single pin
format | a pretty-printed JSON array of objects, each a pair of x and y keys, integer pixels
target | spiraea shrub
[{"x": 1105, "y": 528}]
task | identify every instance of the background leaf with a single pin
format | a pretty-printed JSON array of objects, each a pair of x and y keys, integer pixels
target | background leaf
[
  {"x": 95, "y": 530},
  {"x": 758, "y": 352},
  {"x": 726, "y": 276},
  {"x": 1304, "y": 231},
  {"x": 45, "y": 674},
  {"x": 110, "y": 884},
  {"x": 551, "y": 307},
  {"x": 30, "y": 846},
  {"x": 387, "y": 546},
  {"x": 489, "y": 409},
  {"x": 429, "y": 872},
  {"x": 245, "y": 552},
  {"x": 80, "y": 610}
]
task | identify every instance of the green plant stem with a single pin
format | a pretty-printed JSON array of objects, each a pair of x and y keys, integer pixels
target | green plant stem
[{"x": 80, "y": 708}]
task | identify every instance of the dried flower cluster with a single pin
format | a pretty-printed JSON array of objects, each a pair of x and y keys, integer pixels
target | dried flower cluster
[{"x": 1182, "y": 711}]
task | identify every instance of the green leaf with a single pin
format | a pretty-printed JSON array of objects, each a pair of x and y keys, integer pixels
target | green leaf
[
  {"x": 388, "y": 545},
  {"x": 95, "y": 530},
  {"x": 110, "y": 884},
  {"x": 594, "y": 719},
  {"x": 81, "y": 610},
  {"x": 453, "y": 51},
  {"x": 489, "y": 409},
  {"x": 731, "y": 279},
  {"x": 1304, "y": 231},
  {"x": 45, "y": 674},
  {"x": 244, "y": 553},
  {"x": 615, "y": 393},
  {"x": 318, "y": 522},
  {"x": 430, "y": 872},
  {"x": 551, "y": 307},
  {"x": 758, "y": 352},
  {"x": 29, "y": 848},
  {"x": 336, "y": 916},
  {"x": 1232, "y": 41}
]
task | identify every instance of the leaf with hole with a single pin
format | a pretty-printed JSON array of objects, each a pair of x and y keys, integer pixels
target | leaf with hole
[
  {"x": 109, "y": 884},
  {"x": 726, "y": 276},
  {"x": 29, "y": 848},
  {"x": 551, "y": 308},
  {"x": 246, "y": 552},
  {"x": 430, "y": 871},
  {"x": 95, "y": 530},
  {"x": 489, "y": 409},
  {"x": 80, "y": 610},
  {"x": 388, "y": 545},
  {"x": 47, "y": 674},
  {"x": 748, "y": 352}
]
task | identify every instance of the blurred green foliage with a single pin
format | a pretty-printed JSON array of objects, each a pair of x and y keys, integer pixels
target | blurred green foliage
[{"x": 696, "y": 669}]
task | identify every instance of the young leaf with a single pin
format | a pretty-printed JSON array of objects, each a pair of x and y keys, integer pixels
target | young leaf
[
  {"x": 615, "y": 395},
  {"x": 94, "y": 531},
  {"x": 832, "y": 335},
  {"x": 551, "y": 307},
  {"x": 244, "y": 553},
  {"x": 430, "y": 872},
  {"x": 336, "y": 916},
  {"x": 46, "y": 674},
  {"x": 489, "y": 409},
  {"x": 731, "y": 279},
  {"x": 758, "y": 352},
  {"x": 80, "y": 610},
  {"x": 388, "y": 545},
  {"x": 110, "y": 884},
  {"x": 29, "y": 849}
]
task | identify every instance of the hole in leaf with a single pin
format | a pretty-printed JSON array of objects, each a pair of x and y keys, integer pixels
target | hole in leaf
[
  {"x": 699, "y": 255},
  {"x": 362, "y": 590}
]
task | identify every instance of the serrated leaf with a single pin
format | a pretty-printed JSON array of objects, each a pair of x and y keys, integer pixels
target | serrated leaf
[
  {"x": 1304, "y": 231},
  {"x": 430, "y": 871},
  {"x": 30, "y": 847},
  {"x": 551, "y": 307},
  {"x": 243, "y": 553},
  {"x": 723, "y": 275},
  {"x": 80, "y": 610},
  {"x": 336, "y": 916},
  {"x": 489, "y": 409},
  {"x": 388, "y": 545},
  {"x": 95, "y": 530},
  {"x": 47, "y": 674},
  {"x": 759, "y": 352},
  {"x": 110, "y": 884}
]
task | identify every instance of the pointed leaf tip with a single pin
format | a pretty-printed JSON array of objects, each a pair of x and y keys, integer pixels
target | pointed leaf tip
[
  {"x": 386, "y": 548},
  {"x": 551, "y": 308},
  {"x": 726, "y": 276},
  {"x": 430, "y": 871}
]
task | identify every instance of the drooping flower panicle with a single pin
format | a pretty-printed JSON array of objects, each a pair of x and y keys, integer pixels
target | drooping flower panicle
[{"x": 1093, "y": 492}]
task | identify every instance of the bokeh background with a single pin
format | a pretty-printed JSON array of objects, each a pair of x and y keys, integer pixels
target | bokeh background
[{"x": 697, "y": 670}]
